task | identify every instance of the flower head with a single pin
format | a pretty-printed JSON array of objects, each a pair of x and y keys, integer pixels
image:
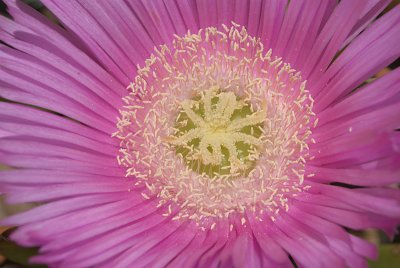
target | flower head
[
  {"x": 217, "y": 126},
  {"x": 200, "y": 134}
]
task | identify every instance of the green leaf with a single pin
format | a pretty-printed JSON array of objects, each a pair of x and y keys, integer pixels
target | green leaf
[
  {"x": 389, "y": 257},
  {"x": 18, "y": 254}
]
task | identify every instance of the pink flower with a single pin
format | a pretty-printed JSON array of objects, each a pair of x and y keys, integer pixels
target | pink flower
[{"x": 201, "y": 133}]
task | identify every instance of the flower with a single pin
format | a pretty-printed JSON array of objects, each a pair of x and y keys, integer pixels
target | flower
[{"x": 208, "y": 133}]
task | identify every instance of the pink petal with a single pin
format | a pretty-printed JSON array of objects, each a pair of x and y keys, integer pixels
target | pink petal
[
  {"x": 60, "y": 207},
  {"x": 373, "y": 96},
  {"x": 24, "y": 114},
  {"x": 17, "y": 62},
  {"x": 365, "y": 56},
  {"x": 355, "y": 176},
  {"x": 94, "y": 36},
  {"x": 52, "y": 192},
  {"x": 328, "y": 42}
]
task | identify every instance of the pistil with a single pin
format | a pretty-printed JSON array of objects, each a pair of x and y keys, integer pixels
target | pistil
[{"x": 212, "y": 130}]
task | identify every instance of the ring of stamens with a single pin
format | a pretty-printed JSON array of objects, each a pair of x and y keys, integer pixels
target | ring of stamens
[{"x": 216, "y": 99}]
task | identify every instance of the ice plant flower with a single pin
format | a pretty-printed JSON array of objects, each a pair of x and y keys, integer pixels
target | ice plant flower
[{"x": 201, "y": 133}]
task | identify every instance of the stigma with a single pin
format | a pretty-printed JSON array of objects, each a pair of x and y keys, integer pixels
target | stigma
[{"x": 216, "y": 132}]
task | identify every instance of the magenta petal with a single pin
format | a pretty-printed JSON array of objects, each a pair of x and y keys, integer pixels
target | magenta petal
[
  {"x": 271, "y": 249},
  {"x": 212, "y": 242},
  {"x": 67, "y": 190},
  {"x": 331, "y": 37},
  {"x": 190, "y": 250},
  {"x": 45, "y": 51},
  {"x": 90, "y": 231},
  {"x": 271, "y": 21},
  {"x": 110, "y": 244},
  {"x": 142, "y": 245},
  {"x": 245, "y": 252},
  {"x": 167, "y": 250},
  {"x": 362, "y": 177},
  {"x": 373, "y": 96},
  {"x": 371, "y": 11},
  {"x": 58, "y": 163},
  {"x": 208, "y": 12},
  {"x": 211, "y": 254},
  {"x": 52, "y": 101},
  {"x": 94, "y": 36},
  {"x": 351, "y": 219},
  {"x": 363, "y": 247},
  {"x": 42, "y": 177},
  {"x": 40, "y": 231},
  {"x": 36, "y": 23},
  {"x": 61, "y": 207},
  {"x": 303, "y": 247},
  {"x": 379, "y": 205},
  {"x": 18, "y": 147},
  {"x": 24, "y": 114},
  {"x": 17, "y": 62},
  {"x": 362, "y": 59}
]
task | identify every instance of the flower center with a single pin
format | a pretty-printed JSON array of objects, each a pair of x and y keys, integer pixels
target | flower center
[
  {"x": 215, "y": 127},
  {"x": 218, "y": 134}
]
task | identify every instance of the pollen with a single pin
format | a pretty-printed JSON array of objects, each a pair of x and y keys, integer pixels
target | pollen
[{"x": 214, "y": 127}]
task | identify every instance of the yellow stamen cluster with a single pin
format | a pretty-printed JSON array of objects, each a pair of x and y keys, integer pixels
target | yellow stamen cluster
[
  {"x": 181, "y": 109},
  {"x": 205, "y": 129}
]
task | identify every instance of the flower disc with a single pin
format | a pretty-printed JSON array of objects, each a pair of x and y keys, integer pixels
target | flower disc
[{"x": 214, "y": 126}]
